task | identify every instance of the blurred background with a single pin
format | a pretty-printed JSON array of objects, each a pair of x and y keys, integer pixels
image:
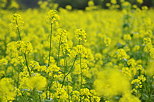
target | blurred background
[{"x": 76, "y": 4}]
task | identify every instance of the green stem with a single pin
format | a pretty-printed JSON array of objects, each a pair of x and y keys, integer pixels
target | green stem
[
  {"x": 5, "y": 46},
  {"x": 80, "y": 70},
  {"x": 69, "y": 71},
  {"x": 18, "y": 30},
  {"x": 50, "y": 46},
  {"x": 26, "y": 60},
  {"x": 50, "y": 37},
  {"x": 68, "y": 92},
  {"x": 80, "y": 65},
  {"x": 59, "y": 50}
]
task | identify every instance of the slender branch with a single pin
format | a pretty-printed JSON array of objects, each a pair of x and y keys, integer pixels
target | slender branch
[
  {"x": 59, "y": 50},
  {"x": 5, "y": 46},
  {"x": 69, "y": 71},
  {"x": 50, "y": 46},
  {"x": 81, "y": 71},
  {"x": 50, "y": 37},
  {"x": 27, "y": 64},
  {"x": 18, "y": 30},
  {"x": 25, "y": 56}
]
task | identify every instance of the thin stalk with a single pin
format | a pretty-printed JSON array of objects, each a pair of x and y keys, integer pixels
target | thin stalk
[
  {"x": 27, "y": 64},
  {"x": 40, "y": 98},
  {"x": 50, "y": 46},
  {"x": 69, "y": 71},
  {"x": 17, "y": 82},
  {"x": 59, "y": 50},
  {"x": 18, "y": 30},
  {"x": 80, "y": 70},
  {"x": 80, "y": 65},
  {"x": 68, "y": 92},
  {"x": 81, "y": 76},
  {"x": 49, "y": 92},
  {"x": 5, "y": 46},
  {"x": 50, "y": 37},
  {"x": 65, "y": 64},
  {"x": 25, "y": 56}
]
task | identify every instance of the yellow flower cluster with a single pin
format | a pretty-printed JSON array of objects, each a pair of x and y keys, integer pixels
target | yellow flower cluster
[
  {"x": 36, "y": 82},
  {"x": 149, "y": 46},
  {"x": 19, "y": 47},
  {"x": 111, "y": 82},
  {"x": 80, "y": 35},
  {"x": 53, "y": 16},
  {"x": 17, "y": 21},
  {"x": 122, "y": 55},
  {"x": 7, "y": 90}
]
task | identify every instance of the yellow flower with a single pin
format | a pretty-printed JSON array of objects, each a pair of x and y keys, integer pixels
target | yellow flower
[
  {"x": 147, "y": 41},
  {"x": 111, "y": 82},
  {"x": 140, "y": 1},
  {"x": 107, "y": 41},
  {"x": 84, "y": 91},
  {"x": 20, "y": 47},
  {"x": 91, "y": 3},
  {"x": 36, "y": 82},
  {"x": 132, "y": 62},
  {"x": 17, "y": 22},
  {"x": 76, "y": 96},
  {"x": 129, "y": 98},
  {"x": 150, "y": 68},
  {"x": 53, "y": 16},
  {"x": 68, "y": 7},
  {"x": 121, "y": 54},
  {"x": 114, "y": 1},
  {"x": 127, "y": 37},
  {"x": 7, "y": 90},
  {"x": 152, "y": 52},
  {"x": 80, "y": 35},
  {"x": 3, "y": 61}
]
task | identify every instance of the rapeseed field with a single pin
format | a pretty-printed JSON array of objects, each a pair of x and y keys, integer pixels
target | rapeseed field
[{"x": 66, "y": 55}]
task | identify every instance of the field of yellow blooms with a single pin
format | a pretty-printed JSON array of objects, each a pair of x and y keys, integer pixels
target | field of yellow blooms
[{"x": 77, "y": 56}]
